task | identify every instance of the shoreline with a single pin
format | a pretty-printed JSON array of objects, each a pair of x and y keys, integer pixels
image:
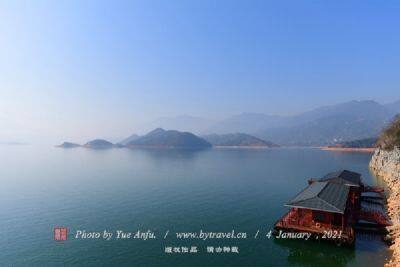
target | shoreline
[
  {"x": 246, "y": 147},
  {"x": 349, "y": 149},
  {"x": 386, "y": 166}
]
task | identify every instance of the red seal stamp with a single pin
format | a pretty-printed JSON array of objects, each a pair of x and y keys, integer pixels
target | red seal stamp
[{"x": 60, "y": 233}]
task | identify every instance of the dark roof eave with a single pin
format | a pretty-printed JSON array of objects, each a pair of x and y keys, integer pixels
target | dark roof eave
[
  {"x": 308, "y": 208},
  {"x": 331, "y": 180}
]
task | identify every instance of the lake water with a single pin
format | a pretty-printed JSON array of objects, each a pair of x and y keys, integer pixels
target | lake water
[{"x": 216, "y": 190}]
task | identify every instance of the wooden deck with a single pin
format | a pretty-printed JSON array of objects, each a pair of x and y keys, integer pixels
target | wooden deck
[
  {"x": 291, "y": 221},
  {"x": 375, "y": 189},
  {"x": 374, "y": 216}
]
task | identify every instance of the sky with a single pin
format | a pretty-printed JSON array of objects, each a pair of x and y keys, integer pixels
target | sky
[{"x": 84, "y": 69}]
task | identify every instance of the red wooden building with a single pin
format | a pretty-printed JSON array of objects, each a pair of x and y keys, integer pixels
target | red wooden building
[
  {"x": 327, "y": 207},
  {"x": 331, "y": 207}
]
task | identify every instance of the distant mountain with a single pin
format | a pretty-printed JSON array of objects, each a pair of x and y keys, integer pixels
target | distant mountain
[
  {"x": 161, "y": 138},
  {"x": 68, "y": 145},
  {"x": 366, "y": 109},
  {"x": 322, "y": 126},
  {"x": 325, "y": 131},
  {"x": 395, "y": 106},
  {"x": 361, "y": 143},
  {"x": 329, "y": 125},
  {"x": 237, "y": 139},
  {"x": 99, "y": 144},
  {"x": 13, "y": 143},
  {"x": 246, "y": 122},
  {"x": 181, "y": 123},
  {"x": 129, "y": 139}
]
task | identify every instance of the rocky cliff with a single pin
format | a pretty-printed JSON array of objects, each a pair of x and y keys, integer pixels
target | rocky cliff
[{"x": 386, "y": 165}]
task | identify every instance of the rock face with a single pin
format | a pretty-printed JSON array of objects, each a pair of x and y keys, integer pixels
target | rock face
[{"x": 386, "y": 164}]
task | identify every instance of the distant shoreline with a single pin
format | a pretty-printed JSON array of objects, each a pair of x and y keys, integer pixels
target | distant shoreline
[
  {"x": 349, "y": 149},
  {"x": 238, "y": 147}
]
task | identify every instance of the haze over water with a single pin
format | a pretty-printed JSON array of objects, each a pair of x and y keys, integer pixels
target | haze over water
[{"x": 176, "y": 190}]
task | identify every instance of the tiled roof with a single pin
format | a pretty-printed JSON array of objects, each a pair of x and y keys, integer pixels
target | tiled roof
[
  {"x": 324, "y": 196},
  {"x": 343, "y": 177}
]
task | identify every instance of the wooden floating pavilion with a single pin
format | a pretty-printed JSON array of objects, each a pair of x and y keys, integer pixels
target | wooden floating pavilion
[{"x": 331, "y": 208}]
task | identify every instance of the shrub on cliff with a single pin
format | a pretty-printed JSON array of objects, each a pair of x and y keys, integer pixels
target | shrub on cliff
[{"x": 390, "y": 136}]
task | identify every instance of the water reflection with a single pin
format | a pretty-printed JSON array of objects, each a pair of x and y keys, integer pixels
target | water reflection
[
  {"x": 315, "y": 253},
  {"x": 170, "y": 153},
  {"x": 379, "y": 182}
]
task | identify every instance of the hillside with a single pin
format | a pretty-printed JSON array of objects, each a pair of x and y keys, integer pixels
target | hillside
[
  {"x": 390, "y": 136},
  {"x": 237, "y": 139},
  {"x": 129, "y": 139},
  {"x": 395, "y": 106},
  {"x": 247, "y": 123},
  {"x": 161, "y": 138},
  {"x": 68, "y": 145},
  {"x": 321, "y": 126},
  {"x": 332, "y": 124},
  {"x": 385, "y": 164},
  {"x": 360, "y": 143},
  {"x": 182, "y": 123},
  {"x": 99, "y": 144}
]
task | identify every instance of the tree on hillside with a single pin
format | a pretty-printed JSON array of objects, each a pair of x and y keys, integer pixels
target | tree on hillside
[{"x": 390, "y": 136}]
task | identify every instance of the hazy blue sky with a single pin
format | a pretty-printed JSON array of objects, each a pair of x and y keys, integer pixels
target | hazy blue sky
[{"x": 79, "y": 69}]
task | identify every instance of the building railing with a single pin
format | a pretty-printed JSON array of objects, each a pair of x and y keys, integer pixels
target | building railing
[{"x": 293, "y": 220}]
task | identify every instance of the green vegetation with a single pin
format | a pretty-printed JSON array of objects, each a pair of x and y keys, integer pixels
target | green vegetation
[
  {"x": 360, "y": 143},
  {"x": 237, "y": 139},
  {"x": 390, "y": 136},
  {"x": 174, "y": 139}
]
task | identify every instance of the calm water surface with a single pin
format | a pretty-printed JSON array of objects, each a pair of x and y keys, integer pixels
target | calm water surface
[{"x": 180, "y": 191}]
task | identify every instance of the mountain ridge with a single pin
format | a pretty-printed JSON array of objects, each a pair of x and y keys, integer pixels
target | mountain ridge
[{"x": 326, "y": 125}]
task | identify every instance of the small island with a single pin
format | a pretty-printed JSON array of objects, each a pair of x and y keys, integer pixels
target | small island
[
  {"x": 69, "y": 145},
  {"x": 237, "y": 140},
  {"x": 99, "y": 144},
  {"x": 160, "y": 138}
]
